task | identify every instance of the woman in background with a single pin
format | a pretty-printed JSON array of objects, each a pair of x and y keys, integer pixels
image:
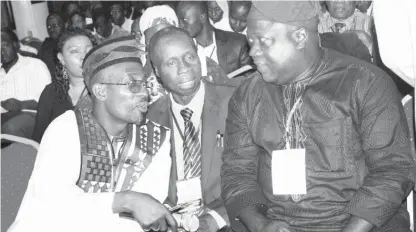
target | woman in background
[{"x": 69, "y": 88}]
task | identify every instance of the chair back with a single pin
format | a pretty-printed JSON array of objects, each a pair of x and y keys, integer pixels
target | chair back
[{"x": 17, "y": 161}]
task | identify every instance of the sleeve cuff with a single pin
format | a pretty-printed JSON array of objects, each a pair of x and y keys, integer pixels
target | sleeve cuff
[
  {"x": 237, "y": 204},
  {"x": 371, "y": 208},
  {"x": 220, "y": 221}
]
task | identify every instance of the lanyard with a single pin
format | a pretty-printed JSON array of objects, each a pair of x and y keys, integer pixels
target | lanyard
[{"x": 177, "y": 124}]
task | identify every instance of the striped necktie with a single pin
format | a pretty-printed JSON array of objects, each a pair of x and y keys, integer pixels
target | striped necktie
[{"x": 191, "y": 147}]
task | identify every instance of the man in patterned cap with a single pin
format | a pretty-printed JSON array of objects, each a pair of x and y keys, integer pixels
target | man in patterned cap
[
  {"x": 109, "y": 165},
  {"x": 315, "y": 140}
]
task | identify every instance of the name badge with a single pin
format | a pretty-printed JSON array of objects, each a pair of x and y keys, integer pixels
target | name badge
[
  {"x": 289, "y": 172},
  {"x": 189, "y": 190}
]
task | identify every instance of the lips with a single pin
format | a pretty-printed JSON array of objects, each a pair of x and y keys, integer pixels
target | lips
[{"x": 187, "y": 84}]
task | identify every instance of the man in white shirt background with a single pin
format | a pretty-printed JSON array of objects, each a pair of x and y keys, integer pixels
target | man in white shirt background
[
  {"x": 195, "y": 111},
  {"x": 22, "y": 80},
  {"x": 101, "y": 167},
  {"x": 118, "y": 17}
]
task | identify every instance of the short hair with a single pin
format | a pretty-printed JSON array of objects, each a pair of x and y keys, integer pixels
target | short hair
[
  {"x": 162, "y": 34},
  {"x": 241, "y": 3},
  {"x": 201, "y": 5},
  {"x": 77, "y": 12},
  {"x": 53, "y": 15},
  {"x": 101, "y": 13},
  {"x": 112, "y": 3},
  {"x": 11, "y": 34}
]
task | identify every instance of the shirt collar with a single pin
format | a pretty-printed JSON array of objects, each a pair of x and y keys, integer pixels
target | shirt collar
[
  {"x": 349, "y": 22},
  {"x": 214, "y": 41},
  {"x": 19, "y": 62},
  {"x": 196, "y": 104}
]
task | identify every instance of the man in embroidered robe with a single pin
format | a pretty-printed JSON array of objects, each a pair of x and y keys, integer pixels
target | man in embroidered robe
[
  {"x": 195, "y": 111},
  {"x": 94, "y": 163},
  {"x": 316, "y": 140}
]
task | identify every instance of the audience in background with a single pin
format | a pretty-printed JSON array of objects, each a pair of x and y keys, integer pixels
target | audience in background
[
  {"x": 342, "y": 16},
  {"x": 229, "y": 50},
  {"x": 67, "y": 9},
  {"x": 238, "y": 16},
  {"x": 22, "y": 80},
  {"x": 55, "y": 27},
  {"x": 69, "y": 88},
  {"x": 365, "y": 6},
  {"x": 104, "y": 28},
  {"x": 77, "y": 19},
  {"x": 118, "y": 16},
  {"x": 218, "y": 14}
]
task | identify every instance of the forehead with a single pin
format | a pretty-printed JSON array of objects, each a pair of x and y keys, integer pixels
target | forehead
[
  {"x": 77, "y": 41},
  {"x": 116, "y": 7},
  {"x": 240, "y": 12},
  {"x": 263, "y": 28},
  {"x": 54, "y": 19},
  {"x": 174, "y": 46},
  {"x": 186, "y": 8},
  {"x": 212, "y": 4},
  {"x": 344, "y": 2}
]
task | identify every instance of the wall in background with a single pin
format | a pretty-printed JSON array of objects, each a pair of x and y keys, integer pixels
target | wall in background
[{"x": 30, "y": 19}]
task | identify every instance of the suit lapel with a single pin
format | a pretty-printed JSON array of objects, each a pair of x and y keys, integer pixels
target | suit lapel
[{"x": 209, "y": 129}]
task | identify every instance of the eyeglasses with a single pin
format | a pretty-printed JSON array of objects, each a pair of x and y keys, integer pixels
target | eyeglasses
[{"x": 135, "y": 86}]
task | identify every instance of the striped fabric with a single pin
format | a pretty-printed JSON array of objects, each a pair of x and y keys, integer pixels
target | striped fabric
[{"x": 191, "y": 147}]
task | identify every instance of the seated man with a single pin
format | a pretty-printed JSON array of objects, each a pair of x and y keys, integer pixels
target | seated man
[
  {"x": 104, "y": 28},
  {"x": 109, "y": 165},
  {"x": 316, "y": 140},
  {"x": 22, "y": 80},
  {"x": 342, "y": 16},
  {"x": 118, "y": 17},
  {"x": 195, "y": 111},
  {"x": 229, "y": 50},
  {"x": 238, "y": 16}
]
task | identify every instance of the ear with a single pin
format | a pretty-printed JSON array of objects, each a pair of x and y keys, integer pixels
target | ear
[
  {"x": 99, "y": 91},
  {"x": 202, "y": 17},
  {"x": 300, "y": 36},
  {"x": 156, "y": 71},
  {"x": 61, "y": 58}
]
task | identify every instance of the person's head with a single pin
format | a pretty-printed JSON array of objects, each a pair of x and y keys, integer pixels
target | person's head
[
  {"x": 68, "y": 8},
  {"x": 155, "y": 18},
  {"x": 148, "y": 4},
  {"x": 281, "y": 42},
  {"x": 77, "y": 19},
  {"x": 238, "y": 15},
  {"x": 175, "y": 60},
  {"x": 117, "y": 13},
  {"x": 54, "y": 25},
  {"x": 73, "y": 45},
  {"x": 215, "y": 12},
  {"x": 9, "y": 46},
  {"x": 102, "y": 23},
  {"x": 114, "y": 75},
  {"x": 193, "y": 16},
  {"x": 341, "y": 9},
  {"x": 363, "y": 5}
]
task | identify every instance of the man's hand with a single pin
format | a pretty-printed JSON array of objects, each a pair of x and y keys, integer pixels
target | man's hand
[
  {"x": 12, "y": 104},
  {"x": 150, "y": 214},
  {"x": 207, "y": 224},
  {"x": 276, "y": 226}
]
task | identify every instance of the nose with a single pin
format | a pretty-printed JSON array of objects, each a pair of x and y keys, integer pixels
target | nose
[
  {"x": 183, "y": 66},
  {"x": 143, "y": 94},
  {"x": 255, "y": 50},
  {"x": 181, "y": 24}
]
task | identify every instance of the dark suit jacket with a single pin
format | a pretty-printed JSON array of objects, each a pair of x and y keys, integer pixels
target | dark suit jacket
[
  {"x": 233, "y": 53},
  {"x": 214, "y": 114}
]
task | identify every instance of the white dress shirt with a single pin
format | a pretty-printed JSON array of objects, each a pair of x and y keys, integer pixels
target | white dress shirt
[
  {"x": 53, "y": 201},
  {"x": 209, "y": 51},
  {"x": 196, "y": 105},
  {"x": 25, "y": 80}
]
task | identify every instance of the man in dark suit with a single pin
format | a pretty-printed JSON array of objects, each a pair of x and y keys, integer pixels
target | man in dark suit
[
  {"x": 230, "y": 50},
  {"x": 196, "y": 112}
]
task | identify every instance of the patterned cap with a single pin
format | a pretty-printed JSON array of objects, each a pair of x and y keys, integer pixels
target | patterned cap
[
  {"x": 108, "y": 53},
  {"x": 157, "y": 15},
  {"x": 284, "y": 11}
]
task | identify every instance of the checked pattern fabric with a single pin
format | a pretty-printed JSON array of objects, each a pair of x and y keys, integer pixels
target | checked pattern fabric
[{"x": 191, "y": 146}]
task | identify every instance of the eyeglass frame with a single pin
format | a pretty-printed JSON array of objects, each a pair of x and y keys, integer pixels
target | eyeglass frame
[{"x": 143, "y": 84}]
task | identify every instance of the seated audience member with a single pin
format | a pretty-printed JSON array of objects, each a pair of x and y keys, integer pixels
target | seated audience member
[
  {"x": 195, "y": 112},
  {"x": 365, "y": 6},
  {"x": 347, "y": 43},
  {"x": 229, "y": 50},
  {"x": 104, "y": 28},
  {"x": 342, "y": 16},
  {"x": 77, "y": 19},
  {"x": 69, "y": 88},
  {"x": 67, "y": 9},
  {"x": 316, "y": 140},
  {"x": 154, "y": 19},
  {"x": 22, "y": 80},
  {"x": 107, "y": 168},
  {"x": 218, "y": 14},
  {"x": 55, "y": 27},
  {"x": 118, "y": 17},
  {"x": 238, "y": 16}
]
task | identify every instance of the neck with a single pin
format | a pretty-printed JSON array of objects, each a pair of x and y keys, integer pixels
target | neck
[
  {"x": 184, "y": 100},
  {"x": 109, "y": 31},
  {"x": 76, "y": 82},
  {"x": 112, "y": 126},
  {"x": 204, "y": 38},
  {"x": 9, "y": 65}
]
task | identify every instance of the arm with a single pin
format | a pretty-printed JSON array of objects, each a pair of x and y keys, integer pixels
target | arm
[
  {"x": 42, "y": 115},
  {"x": 384, "y": 137},
  {"x": 239, "y": 186}
]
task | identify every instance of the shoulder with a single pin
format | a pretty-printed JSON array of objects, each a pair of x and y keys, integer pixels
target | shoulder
[
  {"x": 362, "y": 16},
  {"x": 230, "y": 36},
  {"x": 250, "y": 89},
  {"x": 157, "y": 107}
]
